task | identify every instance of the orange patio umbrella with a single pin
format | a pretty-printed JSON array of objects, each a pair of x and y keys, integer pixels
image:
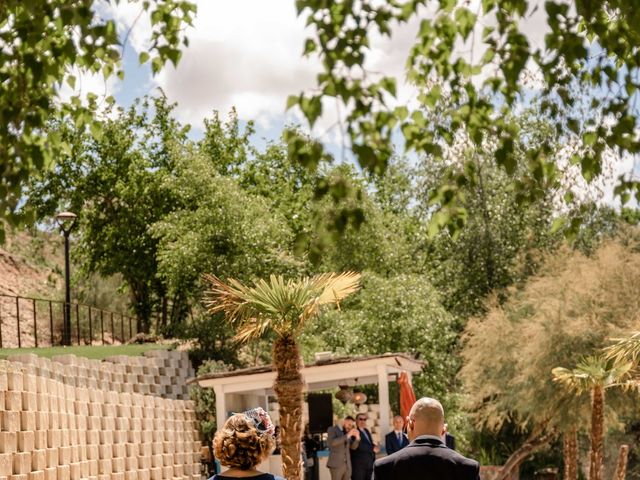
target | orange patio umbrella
[{"x": 407, "y": 396}]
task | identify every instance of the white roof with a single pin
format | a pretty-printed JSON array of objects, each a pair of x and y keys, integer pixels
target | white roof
[{"x": 321, "y": 375}]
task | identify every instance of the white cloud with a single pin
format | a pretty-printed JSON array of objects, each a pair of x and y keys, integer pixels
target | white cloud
[{"x": 242, "y": 53}]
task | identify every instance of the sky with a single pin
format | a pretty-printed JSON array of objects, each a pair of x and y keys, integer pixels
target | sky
[{"x": 247, "y": 54}]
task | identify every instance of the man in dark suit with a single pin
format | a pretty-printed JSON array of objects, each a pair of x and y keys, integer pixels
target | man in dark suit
[
  {"x": 426, "y": 457},
  {"x": 396, "y": 439},
  {"x": 362, "y": 458}
]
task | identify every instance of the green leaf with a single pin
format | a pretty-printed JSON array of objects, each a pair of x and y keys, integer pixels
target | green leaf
[{"x": 143, "y": 57}]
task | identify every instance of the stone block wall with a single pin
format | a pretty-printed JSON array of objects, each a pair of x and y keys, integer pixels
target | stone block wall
[{"x": 74, "y": 418}]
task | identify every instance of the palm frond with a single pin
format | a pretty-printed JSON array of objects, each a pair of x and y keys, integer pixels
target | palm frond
[
  {"x": 625, "y": 349},
  {"x": 594, "y": 371},
  {"x": 278, "y": 305}
]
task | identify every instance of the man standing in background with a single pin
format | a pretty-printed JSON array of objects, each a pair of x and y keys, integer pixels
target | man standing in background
[
  {"x": 364, "y": 455},
  {"x": 340, "y": 442},
  {"x": 397, "y": 439}
]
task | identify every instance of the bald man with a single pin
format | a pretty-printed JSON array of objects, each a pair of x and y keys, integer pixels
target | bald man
[{"x": 426, "y": 457}]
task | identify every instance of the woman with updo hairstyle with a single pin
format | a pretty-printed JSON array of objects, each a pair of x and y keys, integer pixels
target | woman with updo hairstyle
[{"x": 245, "y": 440}]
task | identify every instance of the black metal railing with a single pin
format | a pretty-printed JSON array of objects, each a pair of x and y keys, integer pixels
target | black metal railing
[{"x": 38, "y": 322}]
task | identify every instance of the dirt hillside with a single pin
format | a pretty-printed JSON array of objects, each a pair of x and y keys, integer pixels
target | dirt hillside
[{"x": 30, "y": 266}]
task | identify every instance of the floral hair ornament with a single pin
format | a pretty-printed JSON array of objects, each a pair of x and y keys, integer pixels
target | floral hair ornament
[{"x": 261, "y": 420}]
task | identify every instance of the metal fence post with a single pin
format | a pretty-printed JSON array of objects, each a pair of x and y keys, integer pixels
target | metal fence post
[
  {"x": 102, "y": 325},
  {"x": 90, "y": 328},
  {"x": 121, "y": 328},
  {"x": 78, "y": 321},
  {"x": 35, "y": 323},
  {"x": 18, "y": 320},
  {"x": 51, "y": 322}
]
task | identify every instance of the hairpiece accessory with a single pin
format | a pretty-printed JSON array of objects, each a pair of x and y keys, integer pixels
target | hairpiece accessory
[{"x": 261, "y": 420}]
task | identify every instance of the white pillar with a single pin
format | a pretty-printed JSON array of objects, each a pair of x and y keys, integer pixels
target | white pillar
[
  {"x": 221, "y": 406},
  {"x": 383, "y": 396}
]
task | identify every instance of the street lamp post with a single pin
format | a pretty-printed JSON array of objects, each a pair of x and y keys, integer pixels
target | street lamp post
[{"x": 66, "y": 221}]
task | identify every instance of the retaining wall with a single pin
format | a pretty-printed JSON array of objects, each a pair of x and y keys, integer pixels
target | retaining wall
[{"x": 72, "y": 418}]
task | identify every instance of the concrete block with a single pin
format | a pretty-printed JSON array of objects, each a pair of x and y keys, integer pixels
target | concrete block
[
  {"x": 52, "y": 457},
  {"x": 21, "y": 462},
  {"x": 84, "y": 469},
  {"x": 177, "y": 470},
  {"x": 134, "y": 436},
  {"x": 122, "y": 423},
  {"x": 167, "y": 459},
  {"x": 73, "y": 437},
  {"x": 54, "y": 420},
  {"x": 118, "y": 465},
  {"x": 131, "y": 475},
  {"x": 93, "y": 468},
  {"x": 36, "y": 475},
  {"x": 156, "y": 461},
  {"x": 53, "y": 438},
  {"x": 64, "y": 455},
  {"x": 6, "y": 464},
  {"x": 81, "y": 423},
  {"x": 167, "y": 473},
  {"x": 94, "y": 423},
  {"x": 63, "y": 418},
  {"x": 42, "y": 420},
  {"x": 145, "y": 449},
  {"x": 41, "y": 384},
  {"x": 144, "y": 462},
  {"x": 117, "y": 476},
  {"x": 40, "y": 439},
  {"x": 26, "y": 442},
  {"x": 156, "y": 473},
  {"x": 105, "y": 437},
  {"x": 63, "y": 472},
  {"x": 131, "y": 463},
  {"x": 51, "y": 473},
  {"x": 29, "y": 383},
  {"x": 15, "y": 381},
  {"x": 8, "y": 442},
  {"x": 4, "y": 385},
  {"x": 104, "y": 467},
  {"x": 144, "y": 474},
  {"x": 147, "y": 436},
  {"x": 119, "y": 450},
  {"x": 120, "y": 436},
  {"x": 93, "y": 452},
  {"x": 12, "y": 400},
  {"x": 75, "y": 453},
  {"x": 10, "y": 421},
  {"x": 27, "y": 420},
  {"x": 105, "y": 452},
  {"x": 18, "y": 476},
  {"x": 30, "y": 401},
  {"x": 39, "y": 460},
  {"x": 74, "y": 471},
  {"x": 65, "y": 438},
  {"x": 107, "y": 423}
]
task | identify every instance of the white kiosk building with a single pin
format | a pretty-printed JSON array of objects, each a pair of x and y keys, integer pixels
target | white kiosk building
[{"x": 251, "y": 387}]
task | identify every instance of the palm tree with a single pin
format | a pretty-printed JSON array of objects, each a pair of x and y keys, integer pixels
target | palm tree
[
  {"x": 626, "y": 349},
  {"x": 595, "y": 375},
  {"x": 280, "y": 307}
]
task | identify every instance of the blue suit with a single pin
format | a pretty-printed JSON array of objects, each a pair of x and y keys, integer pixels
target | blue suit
[{"x": 391, "y": 442}]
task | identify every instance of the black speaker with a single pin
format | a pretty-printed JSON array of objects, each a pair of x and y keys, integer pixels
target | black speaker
[{"x": 320, "y": 412}]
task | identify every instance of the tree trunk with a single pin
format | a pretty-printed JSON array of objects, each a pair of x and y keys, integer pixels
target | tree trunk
[
  {"x": 521, "y": 454},
  {"x": 288, "y": 388},
  {"x": 597, "y": 433},
  {"x": 570, "y": 454},
  {"x": 621, "y": 468}
]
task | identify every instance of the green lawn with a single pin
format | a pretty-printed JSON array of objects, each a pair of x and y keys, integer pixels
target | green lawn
[{"x": 97, "y": 352}]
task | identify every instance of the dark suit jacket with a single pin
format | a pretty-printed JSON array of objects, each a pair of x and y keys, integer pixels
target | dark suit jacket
[
  {"x": 391, "y": 442},
  {"x": 363, "y": 456},
  {"x": 426, "y": 458}
]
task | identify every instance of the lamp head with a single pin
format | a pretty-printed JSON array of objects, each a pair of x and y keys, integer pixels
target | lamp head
[{"x": 66, "y": 220}]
